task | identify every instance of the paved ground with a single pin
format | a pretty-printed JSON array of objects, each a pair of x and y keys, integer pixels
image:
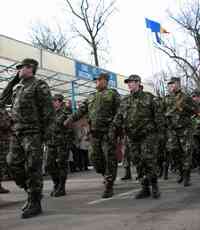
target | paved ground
[{"x": 83, "y": 209}]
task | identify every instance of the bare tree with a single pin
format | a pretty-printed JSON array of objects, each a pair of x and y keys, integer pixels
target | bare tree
[
  {"x": 186, "y": 55},
  {"x": 92, "y": 19},
  {"x": 54, "y": 40}
]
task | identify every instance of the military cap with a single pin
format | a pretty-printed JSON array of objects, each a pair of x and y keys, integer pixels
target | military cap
[
  {"x": 58, "y": 97},
  {"x": 196, "y": 92},
  {"x": 28, "y": 62},
  {"x": 133, "y": 77},
  {"x": 102, "y": 75},
  {"x": 173, "y": 80}
]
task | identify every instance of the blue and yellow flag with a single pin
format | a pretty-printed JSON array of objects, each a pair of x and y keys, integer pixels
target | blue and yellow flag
[{"x": 156, "y": 28}]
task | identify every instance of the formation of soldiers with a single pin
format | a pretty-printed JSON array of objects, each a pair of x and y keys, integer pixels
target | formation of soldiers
[{"x": 155, "y": 131}]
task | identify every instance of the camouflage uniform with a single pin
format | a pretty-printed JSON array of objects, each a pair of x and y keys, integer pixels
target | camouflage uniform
[
  {"x": 139, "y": 115},
  {"x": 196, "y": 134},
  {"x": 32, "y": 114},
  {"x": 58, "y": 146},
  {"x": 100, "y": 109},
  {"x": 178, "y": 111},
  {"x": 5, "y": 132}
]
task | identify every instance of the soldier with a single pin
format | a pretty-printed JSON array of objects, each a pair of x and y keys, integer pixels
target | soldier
[
  {"x": 32, "y": 114},
  {"x": 179, "y": 109},
  {"x": 5, "y": 132},
  {"x": 139, "y": 115},
  {"x": 100, "y": 108},
  {"x": 162, "y": 157},
  {"x": 58, "y": 147},
  {"x": 196, "y": 131}
]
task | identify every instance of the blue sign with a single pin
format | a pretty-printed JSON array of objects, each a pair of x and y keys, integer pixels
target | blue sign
[{"x": 89, "y": 72}]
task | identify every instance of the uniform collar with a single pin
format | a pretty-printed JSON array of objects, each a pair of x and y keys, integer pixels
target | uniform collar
[
  {"x": 26, "y": 81},
  {"x": 136, "y": 94}
]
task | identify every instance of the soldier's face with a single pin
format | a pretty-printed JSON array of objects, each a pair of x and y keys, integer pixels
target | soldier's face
[
  {"x": 26, "y": 72},
  {"x": 101, "y": 83},
  {"x": 134, "y": 86},
  {"x": 57, "y": 104},
  {"x": 68, "y": 104},
  {"x": 196, "y": 99},
  {"x": 173, "y": 87}
]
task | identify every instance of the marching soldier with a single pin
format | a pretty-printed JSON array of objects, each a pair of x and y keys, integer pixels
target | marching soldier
[
  {"x": 179, "y": 109},
  {"x": 5, "y": 132},
  {"x": 58, "y": 147},
  {"x": 32, "y": 114},
  {"x": 139, "y": 115},
  {"x": 196, "y": 130},
  {"x": 100, "y": 109}
]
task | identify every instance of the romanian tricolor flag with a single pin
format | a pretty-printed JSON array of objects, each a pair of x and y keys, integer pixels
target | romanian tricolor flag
[{"x": 156, "y": 28}]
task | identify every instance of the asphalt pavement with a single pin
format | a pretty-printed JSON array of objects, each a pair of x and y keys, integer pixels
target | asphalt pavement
[{"x": 82, "y": 208}]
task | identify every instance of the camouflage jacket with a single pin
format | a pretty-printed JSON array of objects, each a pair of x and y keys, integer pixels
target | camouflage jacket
[
  {"x": 139, "y": 115},
  {"x": 32, "y": 108},
  {"x": 179, "y": 109},
  {"x": 58, "y": 133},
  {"x": 5, "y": 124},
  {"x": 196, "y": 124},
  {"x": 100, "y": 109}
]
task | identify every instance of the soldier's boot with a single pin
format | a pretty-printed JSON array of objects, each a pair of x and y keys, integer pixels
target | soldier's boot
[
  {"x": 27, "y": 203},
  {"x": 61, "y": 188},
  {"x": 165, "y": 168},
  {"x": 108, "y": 192},
  {"x": 160, "y": 168},
  {"x": 145, "y": 191},
  {"x": 155, "y": 188},
  {"x": 186, "y": 176},
  {"x": 3, "y": 190},
  {"x": 198, "y": 169},
  {"x": 55, "y": 185},
  {"x": 34, "y": 208},
  {"x": 161, "y": 172},
  {"x": 180, "y": 177},
  {"x": 127, "y": 175}
]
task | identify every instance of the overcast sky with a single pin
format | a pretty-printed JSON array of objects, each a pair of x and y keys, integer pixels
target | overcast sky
[{"x": 131, "y": 50}]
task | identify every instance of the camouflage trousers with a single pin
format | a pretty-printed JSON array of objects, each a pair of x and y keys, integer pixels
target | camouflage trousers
[
  {"x": 127, "y": 155},
  {"x": 180, "y": 147},
  {"x": 143, "y": 155},
  {"x": 196, "y": 151},
  {"x": 57, "y": 160},
  {"x": 25, "y": 161},
  {"x": 103, "y": 156},
  {"x": 4, "y": 149}
]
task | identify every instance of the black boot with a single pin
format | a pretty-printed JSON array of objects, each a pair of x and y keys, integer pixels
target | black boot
[
  {"x": 61, "y": 188},
  {"x": 55, "y": 180},
  {"x": 55, "y": 187},
  {"x": 186, "y": 176},
  {"x": 166, "y": 167},
  {"x": 34, "y": 208},
  {"x": 145, "y": 191},
  {"x": 27, "y": 203},
  {"x": 127, "y": 175},
  {"x": 155, "y": 188},
  {"x": 108, "y": 192},
  {"x": 180, "y": 177},
  {"x": 161, "y": 169},
  {"x": 3, "y": 190}
]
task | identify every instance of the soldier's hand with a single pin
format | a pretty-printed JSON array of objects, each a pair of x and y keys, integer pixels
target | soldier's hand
[{"x": 68, "y": 123}]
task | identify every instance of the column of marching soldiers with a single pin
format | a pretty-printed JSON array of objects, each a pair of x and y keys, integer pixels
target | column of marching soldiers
[{"x": 158, "y": 133}]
